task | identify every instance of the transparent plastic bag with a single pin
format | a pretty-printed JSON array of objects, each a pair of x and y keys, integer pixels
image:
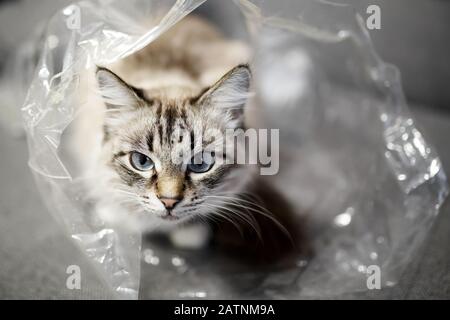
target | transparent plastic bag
[
  {"x": 77, "y": 38},
  {"x": 369, "y": 181},
  {"x": 352, "y": 160}
]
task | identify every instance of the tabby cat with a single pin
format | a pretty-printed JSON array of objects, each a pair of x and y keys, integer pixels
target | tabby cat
[{"x": 153, "y": 108}]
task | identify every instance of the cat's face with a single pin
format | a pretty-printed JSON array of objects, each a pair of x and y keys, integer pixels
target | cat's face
[{"x": 167, "y": 156}]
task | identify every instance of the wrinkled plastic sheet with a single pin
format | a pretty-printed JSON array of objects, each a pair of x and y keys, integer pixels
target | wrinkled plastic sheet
[{"x": 353, "y": 161}]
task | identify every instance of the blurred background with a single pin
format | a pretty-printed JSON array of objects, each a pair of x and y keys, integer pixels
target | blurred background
[
  {"x": 34, "y": 252},
  {"x": 414, "y": 36}
]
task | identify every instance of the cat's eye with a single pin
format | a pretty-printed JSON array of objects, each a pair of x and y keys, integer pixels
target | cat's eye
[
  {"x": 141, "y": 162},
  {"x": 201, "y": 162}
]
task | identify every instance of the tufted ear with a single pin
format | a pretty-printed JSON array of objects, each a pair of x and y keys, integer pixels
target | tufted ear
[
  {"x": 230, "y": 94},
  {"x": 116, "y": 92},
  {"x": 119, "y": 97}
]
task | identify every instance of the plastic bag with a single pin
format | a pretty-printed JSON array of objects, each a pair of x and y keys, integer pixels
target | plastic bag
[
  {"x": 352, "y": 158},
  {"x": 81, "y": 35}
]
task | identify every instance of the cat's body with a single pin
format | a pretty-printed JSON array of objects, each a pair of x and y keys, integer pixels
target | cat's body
[{"x": 172, "y": 97}]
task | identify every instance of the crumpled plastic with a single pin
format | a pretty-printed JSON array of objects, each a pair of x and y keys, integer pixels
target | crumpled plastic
[{"x": 352, "y": 159}]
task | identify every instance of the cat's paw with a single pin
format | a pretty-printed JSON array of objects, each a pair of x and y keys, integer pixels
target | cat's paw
[{"x": 192, "y": 237}]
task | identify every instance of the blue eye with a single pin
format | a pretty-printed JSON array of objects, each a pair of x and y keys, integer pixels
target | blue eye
[
  {"x": 141, "y": 162},
  {"x": 201, "y": 162}
]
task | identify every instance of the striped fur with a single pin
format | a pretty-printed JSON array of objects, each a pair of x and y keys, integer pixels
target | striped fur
[{"x": 172, "y": 98}]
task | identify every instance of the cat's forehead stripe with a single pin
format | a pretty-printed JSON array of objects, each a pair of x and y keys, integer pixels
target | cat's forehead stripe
[
  {"x": 150, "y": 141},
  {"x": 183, "y": 115},
  {"x": 167, "y": 117},
  {"x": 158, "y": 111},
  {"x": 170, "y": 115}
]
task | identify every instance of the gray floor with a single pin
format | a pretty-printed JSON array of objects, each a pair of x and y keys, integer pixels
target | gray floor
[{"x": 34, "y": 252}]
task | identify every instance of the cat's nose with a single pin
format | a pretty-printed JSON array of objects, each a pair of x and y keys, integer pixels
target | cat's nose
[{"x": 169, "y": 203}]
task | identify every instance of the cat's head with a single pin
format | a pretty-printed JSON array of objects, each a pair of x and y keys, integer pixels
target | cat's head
[{"x": 167, "y": 156}]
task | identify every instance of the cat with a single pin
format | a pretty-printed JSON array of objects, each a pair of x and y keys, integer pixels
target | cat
[{"x": 172, "y": 98}]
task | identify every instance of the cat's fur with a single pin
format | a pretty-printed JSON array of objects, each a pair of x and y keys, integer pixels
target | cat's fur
[{"x": 190, "y": 80}]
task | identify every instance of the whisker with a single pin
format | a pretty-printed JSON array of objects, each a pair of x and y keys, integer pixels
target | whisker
[
  {"x": 223, "y": 215},
  {"x": 264, "y": 212},
  {"x": 251, "y": 220}
]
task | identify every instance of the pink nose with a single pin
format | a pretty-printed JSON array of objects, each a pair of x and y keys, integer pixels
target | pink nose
[{"x": 169, "y": 203}]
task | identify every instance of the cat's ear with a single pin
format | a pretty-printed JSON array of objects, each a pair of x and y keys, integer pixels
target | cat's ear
[
  {"x": 230, "y": 94},
  {"x": 119, "y": 98},
  {"x": 116, "y": 93}
]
